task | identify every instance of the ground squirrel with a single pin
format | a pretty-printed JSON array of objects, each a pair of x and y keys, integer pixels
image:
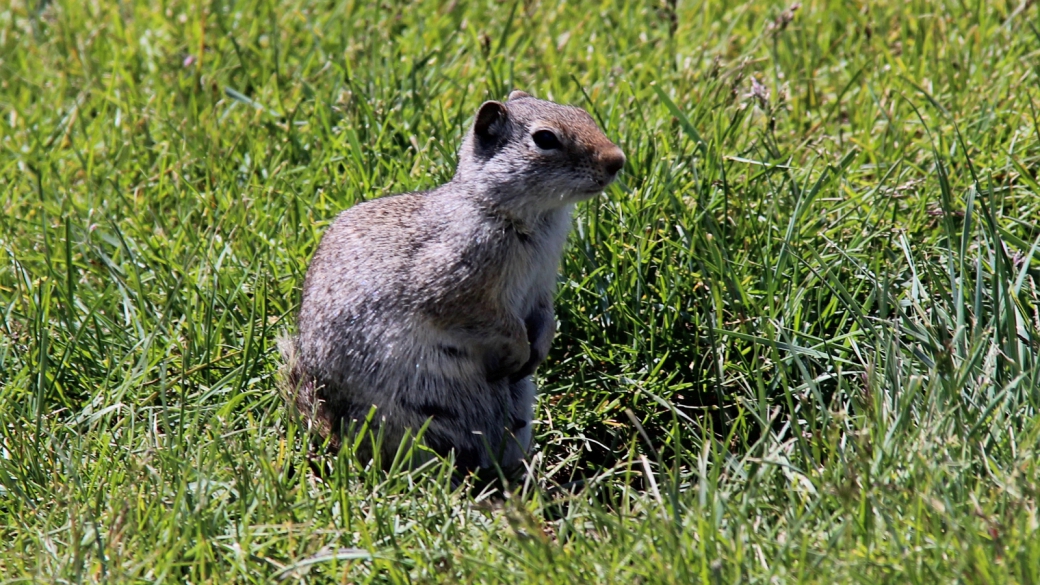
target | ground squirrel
[{"x": 438, "y": 305}]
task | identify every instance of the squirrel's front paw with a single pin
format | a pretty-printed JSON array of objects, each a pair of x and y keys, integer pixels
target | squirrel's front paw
[
  {"x": 539, "y": 336},
  {"x": 506, "y": 359}
]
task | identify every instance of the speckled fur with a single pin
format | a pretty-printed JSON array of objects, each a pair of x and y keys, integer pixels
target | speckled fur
[{"x": 438, "y": 305}]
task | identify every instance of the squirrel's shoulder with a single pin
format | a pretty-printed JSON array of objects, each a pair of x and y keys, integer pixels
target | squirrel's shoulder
[{"x": 389, "y": 209}]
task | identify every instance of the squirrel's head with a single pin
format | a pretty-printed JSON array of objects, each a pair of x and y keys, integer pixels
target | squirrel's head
[{"x": 530, "y": 154}]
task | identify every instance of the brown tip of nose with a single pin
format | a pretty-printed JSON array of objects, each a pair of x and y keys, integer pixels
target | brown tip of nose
[{"x": 613, "y": 160}]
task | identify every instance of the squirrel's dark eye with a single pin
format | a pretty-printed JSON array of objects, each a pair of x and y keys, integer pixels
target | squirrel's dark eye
[{"x": 546, "y": 140}]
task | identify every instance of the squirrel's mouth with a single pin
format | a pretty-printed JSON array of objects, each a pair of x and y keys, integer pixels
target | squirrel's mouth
[{"x": 593, "y": 187}]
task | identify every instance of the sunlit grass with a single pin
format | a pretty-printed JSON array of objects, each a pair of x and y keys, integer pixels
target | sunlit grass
[{"x": 798, "y": 339}]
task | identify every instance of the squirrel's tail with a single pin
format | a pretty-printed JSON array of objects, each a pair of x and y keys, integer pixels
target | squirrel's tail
[
  {"x": 300, "y": 392},
  {"x": 290, "y": 374}
]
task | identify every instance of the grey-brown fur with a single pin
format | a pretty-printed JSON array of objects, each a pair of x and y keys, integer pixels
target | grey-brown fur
[{"x": 439, "y": 304}]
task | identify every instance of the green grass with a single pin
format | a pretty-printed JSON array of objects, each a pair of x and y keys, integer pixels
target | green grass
[{"x": 799, "y": 339}]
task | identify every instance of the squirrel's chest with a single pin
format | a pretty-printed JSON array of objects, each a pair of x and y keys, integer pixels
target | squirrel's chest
[{"x": 529, "y": 271}]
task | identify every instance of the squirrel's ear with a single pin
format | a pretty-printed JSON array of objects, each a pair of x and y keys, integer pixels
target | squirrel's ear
[
  {"x": 517, "y": 94},
  {"x": 491, "y": 117}
]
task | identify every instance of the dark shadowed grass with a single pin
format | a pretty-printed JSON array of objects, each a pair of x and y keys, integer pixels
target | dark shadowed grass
[{"x": 798, "y": 338}]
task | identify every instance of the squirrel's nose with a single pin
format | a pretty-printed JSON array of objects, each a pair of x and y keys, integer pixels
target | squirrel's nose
[{"x": 613, "y": 160}]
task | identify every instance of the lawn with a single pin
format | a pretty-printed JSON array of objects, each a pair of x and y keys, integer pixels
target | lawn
[{"x": 799, "y": 339}]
